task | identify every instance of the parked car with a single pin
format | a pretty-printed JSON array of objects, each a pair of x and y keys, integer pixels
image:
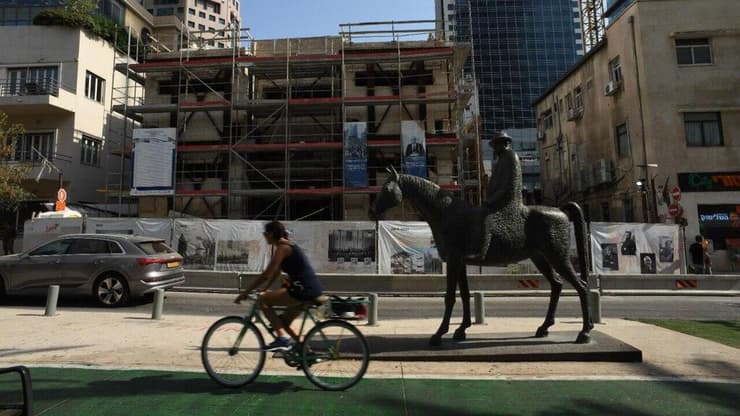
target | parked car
[{"x": 110, "y": 267}]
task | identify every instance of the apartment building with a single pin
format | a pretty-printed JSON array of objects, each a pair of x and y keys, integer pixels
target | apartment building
[{"x": 646, "y": 126}]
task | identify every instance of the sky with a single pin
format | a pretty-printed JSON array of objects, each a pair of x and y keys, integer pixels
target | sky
[{"x": 270, "y": 19}]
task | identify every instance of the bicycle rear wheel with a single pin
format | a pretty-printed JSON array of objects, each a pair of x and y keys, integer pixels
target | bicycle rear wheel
[
  {"x": 335, "y": 355},
  {"x": 232, "y": 352}
]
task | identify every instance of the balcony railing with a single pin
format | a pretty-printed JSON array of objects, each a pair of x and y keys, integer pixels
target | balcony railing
[{"x": 41, "y": 86}]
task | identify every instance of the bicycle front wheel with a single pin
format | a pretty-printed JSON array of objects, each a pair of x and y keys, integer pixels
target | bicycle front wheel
[
  {"x": 232, "y": 352},
  {"x": 335, "y": 355}
]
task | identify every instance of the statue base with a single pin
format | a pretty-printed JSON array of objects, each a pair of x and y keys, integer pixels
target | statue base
[{"x": 503, "y": 347}]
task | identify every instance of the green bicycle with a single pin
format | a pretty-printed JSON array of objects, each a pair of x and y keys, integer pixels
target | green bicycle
[{"x": 334, "y": 354}]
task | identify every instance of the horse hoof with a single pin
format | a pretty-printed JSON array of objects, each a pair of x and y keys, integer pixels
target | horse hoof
[
  {"x": 583, "y": 338},
  {"x": 541, "y": 332},
  {"x": 435, "y": 341},
  {"x": 459, "y": 336}
]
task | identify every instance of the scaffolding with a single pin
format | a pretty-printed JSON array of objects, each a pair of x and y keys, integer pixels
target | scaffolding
[
  {"x": 592, "y": 22},
  {"x": 260, "y": 122}
]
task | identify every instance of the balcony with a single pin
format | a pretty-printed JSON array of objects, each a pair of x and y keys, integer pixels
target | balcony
[{"x": 36, "y": 96}]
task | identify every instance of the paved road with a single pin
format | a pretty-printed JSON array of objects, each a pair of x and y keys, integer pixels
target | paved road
[{"x": 677, "y": 307}]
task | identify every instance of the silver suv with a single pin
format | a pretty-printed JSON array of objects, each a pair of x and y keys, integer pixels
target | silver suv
[{"x": 111, "y": 267}]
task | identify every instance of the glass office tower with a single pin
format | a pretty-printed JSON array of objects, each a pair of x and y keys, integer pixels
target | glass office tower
[{"x": 520, "y": 48}]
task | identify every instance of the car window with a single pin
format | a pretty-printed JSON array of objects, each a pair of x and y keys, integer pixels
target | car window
[
  {"x": 114, "y": 248},
  {"x": 88, "y": 246},
  {"x": 53, "y": 248},
  {"x": 154, "y": 247}
]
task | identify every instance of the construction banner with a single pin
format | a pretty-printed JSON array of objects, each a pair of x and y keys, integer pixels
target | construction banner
[
  {"x": 149, "y": 227},
  {"x": 337, "y": 246},
  {"x": 407, "y": 248},
  {"x": 153, "y": 161},
  {"x": 634, "y": 248},
  {"x": 355, "y": 155},
  {"x": 413, "y": 146}
]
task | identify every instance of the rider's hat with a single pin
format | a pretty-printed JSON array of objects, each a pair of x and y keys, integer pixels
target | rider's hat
[{"x": 501, "y": 136}]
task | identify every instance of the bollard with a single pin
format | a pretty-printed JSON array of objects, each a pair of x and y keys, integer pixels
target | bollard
[
  {"x": 372, "y": 309},
  {"x": 158, "y": 304},
  {"x": 51, "y": 300},
  {"x": 594, "y": 303},
  {"x": 480, "y": 308}
]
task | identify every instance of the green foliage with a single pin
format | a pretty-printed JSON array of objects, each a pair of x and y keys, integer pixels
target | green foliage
[
  {"x": 11, "y": 173},
  {"x": 82, "y": 14},
  {"x": 724, "y": 332}
]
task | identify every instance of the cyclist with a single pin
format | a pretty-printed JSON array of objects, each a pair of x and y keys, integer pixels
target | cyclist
[{"x": 301, "y": 286}]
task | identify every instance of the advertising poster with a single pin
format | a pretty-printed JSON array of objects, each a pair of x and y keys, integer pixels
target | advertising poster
[
  {"x": 407, "y": 248},
  {"x": 355, "y": 155},
  {"x": 153, "y": 161},
  {"x": 413, "y": 146},
  {"x": 337, "y": 246},
  {"x": 633, "y": 248},
  {"x": 149, "y": 227}
]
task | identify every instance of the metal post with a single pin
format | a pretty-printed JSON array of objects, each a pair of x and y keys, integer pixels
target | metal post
[
  {"x": 51, "y": 300},
  {"x": 158, "y": 304},
  {"x": 594, "y": 302},
  {"x": 480, "y": 308},
  {"x": 372, "y": 309}
]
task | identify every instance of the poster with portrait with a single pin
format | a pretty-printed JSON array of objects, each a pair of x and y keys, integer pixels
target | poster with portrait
[
  {"x": 337, "y": 246},
  {"x": 635, "y": 248},
  {"x": 355, "y": 154},
  {"x": 407, "y": 248},
  {"x": 413, "y": 148}
]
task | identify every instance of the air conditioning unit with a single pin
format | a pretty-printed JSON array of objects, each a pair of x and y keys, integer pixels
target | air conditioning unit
[
  {"x": 611, "y": 88},
  {"x": 602, "y": 171}
]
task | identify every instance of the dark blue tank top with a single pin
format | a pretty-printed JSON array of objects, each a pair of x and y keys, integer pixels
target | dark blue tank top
[{"x": 304, "y": 283}]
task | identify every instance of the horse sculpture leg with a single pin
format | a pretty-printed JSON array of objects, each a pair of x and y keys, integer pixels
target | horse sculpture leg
[
  {"x": 556, "y": 286},
  {"x": 462, "y": 281},
  {"x": 444, "y": 327},
  {"x": 565, "y": 269}
]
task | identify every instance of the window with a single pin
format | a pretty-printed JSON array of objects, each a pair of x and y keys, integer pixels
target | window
[
  {"x": 114, "y": 248},
  {"x": 35, "y": 80},
  {"x": 88, "y": 246},
  {"x": 201, "y": 27},
  {"x": 547, "y": 122},
  {"x": 693, "y": 51},
  {"x": 221, "y": 20},
  {"x": 216, "y": 7},
  {"x": 703, "y": 129},
  {"x": 32, "y": 146},
  {"x": 52, "y": 249},
  {"x": 578, "y": 93},
  {"x": 191, "y": 24},
  {"x": 191, "y": 12},
  {"x": 90, "y": 151},
  {"x": 605, "y": 212},
  {"x": 212, "y": 18},
  {"x": 615, "y": 70},
  {"x": 450, "y": 6},
  {"x": 623, "y": 140},
  {"x": 629, "y": 210},
  {"x": 202, "y": 15},
  {"x": 165, "y": 11},
  {"x": 569, "y": 101},
  {"x": 94, "y": 87},
  {"x": 221, "y": 45}
]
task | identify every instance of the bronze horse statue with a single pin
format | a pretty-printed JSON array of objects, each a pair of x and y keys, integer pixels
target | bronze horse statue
[{"x": 515, "y": 232}]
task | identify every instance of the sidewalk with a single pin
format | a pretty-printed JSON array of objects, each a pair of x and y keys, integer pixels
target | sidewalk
[{"x": 100, "y": 363}]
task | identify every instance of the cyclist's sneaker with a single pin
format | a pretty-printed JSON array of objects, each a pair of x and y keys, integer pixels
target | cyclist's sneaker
[{"x": 280, "y": 344}]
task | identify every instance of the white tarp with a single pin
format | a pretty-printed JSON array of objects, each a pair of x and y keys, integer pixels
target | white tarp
[
  {"x": 222, "y": 245},
  {"x": 633, "y": 248},
  {"x": 148, "y": 227},
  {"x": 407, "y": 248},
  {"x": 336, "y": 246},
  {"x": 40, "y": 230}
]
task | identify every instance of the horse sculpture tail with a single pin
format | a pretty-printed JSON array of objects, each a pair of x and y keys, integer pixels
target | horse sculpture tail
[{"x": 576, "y": 215}]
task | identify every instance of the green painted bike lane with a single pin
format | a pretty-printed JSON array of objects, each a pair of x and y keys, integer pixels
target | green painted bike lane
[{"x": 83, "y": 392}]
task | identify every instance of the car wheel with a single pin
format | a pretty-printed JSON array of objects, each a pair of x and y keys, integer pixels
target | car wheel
[{"x": 111, "y": 290}]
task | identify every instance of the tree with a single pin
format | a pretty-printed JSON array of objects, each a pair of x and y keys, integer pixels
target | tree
[{"x": 11, "y": 173}]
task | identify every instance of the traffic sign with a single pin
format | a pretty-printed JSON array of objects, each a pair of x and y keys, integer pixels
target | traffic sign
[
  {"x": 676, "y": 193},
  {"x": 674, "y": 210},
  {"x": 61, "y": 195}
]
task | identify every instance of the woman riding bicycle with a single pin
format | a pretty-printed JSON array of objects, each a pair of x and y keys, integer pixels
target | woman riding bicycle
[{"x": 301, "y": 286}]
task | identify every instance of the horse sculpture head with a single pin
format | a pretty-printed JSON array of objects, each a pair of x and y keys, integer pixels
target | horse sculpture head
[{"x": 390, "y": 196}]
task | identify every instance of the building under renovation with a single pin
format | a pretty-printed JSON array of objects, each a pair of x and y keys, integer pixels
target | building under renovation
[{"x": 261, "y": 126}]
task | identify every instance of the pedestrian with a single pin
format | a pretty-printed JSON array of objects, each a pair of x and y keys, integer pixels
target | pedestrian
[
  {"x": 699, "y": 256},
  {"x": 9, "y": 235},
  {"x": 301, "y": 286},
  {"x": 707, "y": 256}
]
